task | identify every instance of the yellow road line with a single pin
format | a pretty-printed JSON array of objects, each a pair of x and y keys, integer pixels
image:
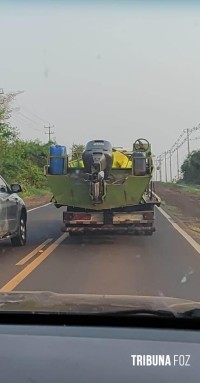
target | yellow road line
[
  {"x": 33, "y": 253},
  {"x": 32, "y": 266}
]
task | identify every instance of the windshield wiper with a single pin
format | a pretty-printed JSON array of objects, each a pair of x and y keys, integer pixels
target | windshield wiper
[
  {"x": 193, "y": 313},
  {"x": 140, "y": 312}
]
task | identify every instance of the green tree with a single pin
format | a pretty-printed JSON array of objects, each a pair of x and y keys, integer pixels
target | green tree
[
  {"x": 77, "y": 151},
  {"x": 7, "y": 132},
  {"x": 191, "y": 168},
  {"x": 20, "y": 161},
  {"x": 36, "y": 152}
]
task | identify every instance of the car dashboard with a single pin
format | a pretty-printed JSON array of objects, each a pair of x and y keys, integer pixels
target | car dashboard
[{"x": 85, "y": 353}]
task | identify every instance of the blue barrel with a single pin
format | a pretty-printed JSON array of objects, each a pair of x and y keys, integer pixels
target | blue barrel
[{"x": 56, "y": 163}]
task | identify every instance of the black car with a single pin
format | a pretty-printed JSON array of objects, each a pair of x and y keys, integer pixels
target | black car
[{"x": 13, "y": 214}]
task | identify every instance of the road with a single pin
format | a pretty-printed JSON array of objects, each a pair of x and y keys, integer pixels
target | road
[{"x": 164, "y": 264}]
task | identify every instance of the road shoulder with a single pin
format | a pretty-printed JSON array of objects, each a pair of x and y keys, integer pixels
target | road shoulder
[
  {"x": 36, "y": 201},
  {"x": 183, "y": 207}
]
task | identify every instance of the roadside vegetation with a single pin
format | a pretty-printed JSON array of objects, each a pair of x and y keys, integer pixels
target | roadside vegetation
[
  {"x": 191, "y": 168},
  {"x": 21, "y": 161},
  {"x": 76, "y": 151}
]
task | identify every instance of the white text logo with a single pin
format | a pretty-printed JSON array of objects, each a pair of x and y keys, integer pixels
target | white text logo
[{"x": 161, "y": 360}]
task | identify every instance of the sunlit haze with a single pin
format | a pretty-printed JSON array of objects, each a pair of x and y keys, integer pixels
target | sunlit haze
[{"x": 102, "y": 71}]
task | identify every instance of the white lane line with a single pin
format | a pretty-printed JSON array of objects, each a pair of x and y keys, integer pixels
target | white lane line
[
  {"x": 34, "y": 252},
  {"x": 185, "y": 235},
  {"x": 39, "y": 207}
]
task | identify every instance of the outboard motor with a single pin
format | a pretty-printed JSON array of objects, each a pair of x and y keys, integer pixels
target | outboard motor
[{"x": 97, "y": 159}]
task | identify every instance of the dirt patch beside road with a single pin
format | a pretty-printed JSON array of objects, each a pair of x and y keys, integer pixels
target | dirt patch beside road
[
  {"x": 183, "y": 206},
  {"x": 35, "y": 201}
]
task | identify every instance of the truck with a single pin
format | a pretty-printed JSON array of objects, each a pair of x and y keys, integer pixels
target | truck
[{"x": 107, "y": 190}]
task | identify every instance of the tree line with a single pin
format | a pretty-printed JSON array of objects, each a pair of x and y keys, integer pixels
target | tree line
[
  {"x": 23, "y": 161},
  {"x": 20, "y": 161},
  {"x": 191, "y": 168}
]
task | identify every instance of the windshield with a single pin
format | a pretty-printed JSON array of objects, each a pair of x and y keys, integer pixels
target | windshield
[{"x": 100, "y": 154}]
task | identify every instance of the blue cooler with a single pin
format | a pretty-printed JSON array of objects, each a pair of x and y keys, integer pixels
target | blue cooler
[{"x": 56, "y": 163}]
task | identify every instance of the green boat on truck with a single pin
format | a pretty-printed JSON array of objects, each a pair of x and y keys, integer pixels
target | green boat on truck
[{"x": 107, "y": 189}]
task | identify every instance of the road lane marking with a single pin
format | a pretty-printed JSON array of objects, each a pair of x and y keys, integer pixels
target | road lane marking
[
  {"x": 188, "y": 238},
  {"x": 32, "y": 266},
  {"x": 39, "y": 207},
  {"x": 33, "y": 253}
]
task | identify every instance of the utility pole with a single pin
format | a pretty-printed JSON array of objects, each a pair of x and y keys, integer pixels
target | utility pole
[
  {"x": 1, "y": 93},
  {"x": 50, "y": 132},
  {"x": 160, "y": 168},
  {"x": 177, "y": 161},
  {"x": 170, "y": 164},
  {"x": 156, "y": 165},
  {"x": 156, "y": 169},
  {"x": 188, "y": 141},
  {"x": 165, "y": 166}
]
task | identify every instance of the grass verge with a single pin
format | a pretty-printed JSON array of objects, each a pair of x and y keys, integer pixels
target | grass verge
[
  {"x": 34, "y": 192},
  {"x": 187, "y": 188}
]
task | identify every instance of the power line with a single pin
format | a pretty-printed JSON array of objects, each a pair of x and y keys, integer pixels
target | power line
[
  {"x": 195, "y": 138},
  {"x": 173, "y": 148},
  {"x": 21, "y": 115},
  {"x": 188, "y": 132},
  {"x": 21, "y": 120},
  {"x": 28, "y": 118},
  {"x": 183, "y": 138},
  {"x": 35, "y": 115}
]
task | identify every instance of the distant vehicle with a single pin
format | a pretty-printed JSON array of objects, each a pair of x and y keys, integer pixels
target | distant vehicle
[{"x": 13, "y": 214}]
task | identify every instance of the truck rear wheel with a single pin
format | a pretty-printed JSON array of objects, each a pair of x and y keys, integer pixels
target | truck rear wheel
[
  {"x": 73, "y": 233},
  {"x": 149, "y": 233}
]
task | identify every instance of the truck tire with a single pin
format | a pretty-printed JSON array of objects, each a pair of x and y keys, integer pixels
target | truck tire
[
  {"x": 72, "y": 234},
  {"x": 149, "y": 233},
  {"x": 20, "y": 238}
]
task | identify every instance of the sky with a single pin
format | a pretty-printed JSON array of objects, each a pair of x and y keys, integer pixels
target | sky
[{"x": 115, "y": 70}]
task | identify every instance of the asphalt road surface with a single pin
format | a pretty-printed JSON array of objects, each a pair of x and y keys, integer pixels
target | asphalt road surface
[{"x": 162, "y": 265}]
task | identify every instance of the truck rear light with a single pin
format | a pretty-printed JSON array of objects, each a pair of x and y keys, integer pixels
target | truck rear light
[
  {"x": 81, "y": 217},
  {"x": 148, "y": 215},
  {"x": 67, "y": 217}
]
